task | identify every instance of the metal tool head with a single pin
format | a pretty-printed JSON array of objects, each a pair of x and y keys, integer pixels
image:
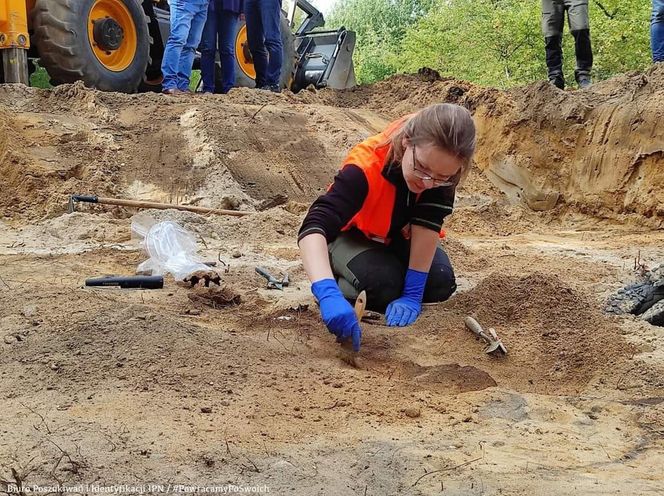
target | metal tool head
[
  {"x": 496, "y": 344},
  {"x": 73, "y": 199},
  {"x": 273, "y": 282}
]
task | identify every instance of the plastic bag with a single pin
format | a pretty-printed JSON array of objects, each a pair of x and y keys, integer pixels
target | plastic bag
[{"x": 171, "y": 248}]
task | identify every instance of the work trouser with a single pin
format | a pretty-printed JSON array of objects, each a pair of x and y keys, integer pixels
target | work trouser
[
  {"x": 360, "y": 264},
  {"x": 187, "y": 22},
  {"x": 263, "y": 19},
  {"x": 657, "y": 31},
  {"x": 553, "y": 22}
]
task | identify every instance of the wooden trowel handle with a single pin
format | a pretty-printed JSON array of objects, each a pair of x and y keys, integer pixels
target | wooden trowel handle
[
  {"x": 475, "y": 326},
  {"x": 360, "y": 305}
]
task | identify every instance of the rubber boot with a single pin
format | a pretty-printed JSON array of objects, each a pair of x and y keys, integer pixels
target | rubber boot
[
  {"x": 583, "y": 79},
  {"x": 584, "y": 57},
  {"x": 554, "y": 60},
  {"x": 557, "y": 79}
]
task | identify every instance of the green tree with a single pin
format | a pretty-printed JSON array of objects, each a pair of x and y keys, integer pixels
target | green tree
[
  {"x": 380, "y": 26},
  {"x": 489, "y": 42}
]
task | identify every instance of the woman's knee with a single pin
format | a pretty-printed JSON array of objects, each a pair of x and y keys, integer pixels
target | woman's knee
[
  {"x": 380, "y": 276},
  {"x": 441, "y": 284}
]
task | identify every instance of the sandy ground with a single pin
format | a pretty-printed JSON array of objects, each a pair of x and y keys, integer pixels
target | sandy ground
[{"x": 243, "y": 385}]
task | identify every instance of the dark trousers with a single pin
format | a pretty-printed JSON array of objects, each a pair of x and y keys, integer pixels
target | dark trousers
[
  {"x": 264, "y": 38},
  {"x": 553, "y": 22},
  {"x": 360, "y": 264},
  {"x": 583, "y": 49},
  {"x": 219, "y": 32}
]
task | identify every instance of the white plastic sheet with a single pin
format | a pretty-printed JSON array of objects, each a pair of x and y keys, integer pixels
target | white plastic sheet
[{"x": 171, "y": 248}]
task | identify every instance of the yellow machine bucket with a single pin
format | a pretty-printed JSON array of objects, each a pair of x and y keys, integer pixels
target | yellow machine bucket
[{"x": 14, "y": 40}]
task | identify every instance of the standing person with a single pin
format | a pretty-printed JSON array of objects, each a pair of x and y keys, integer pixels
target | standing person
[
  {"x": 553, "y": 21},
  {"x": 219, "y": 32},
  {"x": 657, "y": 31},
  {"x": 264, "y": 38},
  {"x": 187, "y": 22},
  {"x": 378, "y": 226}
]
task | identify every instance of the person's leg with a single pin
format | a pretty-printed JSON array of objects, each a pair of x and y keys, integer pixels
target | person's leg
[
  {"x": 359, "y": 264},
  {"x": 271, "y": 18},
  {"x": 657, "y": 31},
  {"x": 208, "y": 49},
  {"x": 441, "y": 283},
  {"x": 553, "y": 17},
  {"x": 199, "y": 9},
  {"x": 579, "y": 25},
  {"x": 227, "y": 25},
  {"x": 256, "y": 40},
  {"x": 181, "y": 16}
]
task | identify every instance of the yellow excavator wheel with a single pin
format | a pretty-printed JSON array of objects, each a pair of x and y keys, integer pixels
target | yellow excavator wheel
[
  {"x": 121, "y": 58},
  {"x": 242, "y": 54}
]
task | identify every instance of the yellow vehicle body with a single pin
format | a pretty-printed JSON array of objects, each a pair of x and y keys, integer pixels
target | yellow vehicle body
[
  {"x": 105, "y": 43},
  {"x": 14, "y": 39},
  {"x": 118, "y": 45}
]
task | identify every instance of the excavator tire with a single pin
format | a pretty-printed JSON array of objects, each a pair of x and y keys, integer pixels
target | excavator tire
[
  {"x": 104, "y": 43},
  {"x": 245, "y": 74}
]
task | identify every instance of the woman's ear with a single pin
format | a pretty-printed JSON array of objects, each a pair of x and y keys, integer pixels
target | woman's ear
[{"x": 405, "y": 142}]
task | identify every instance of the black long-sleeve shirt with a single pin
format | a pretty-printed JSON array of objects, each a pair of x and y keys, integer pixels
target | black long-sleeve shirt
[{"x": 333, "y": 210}]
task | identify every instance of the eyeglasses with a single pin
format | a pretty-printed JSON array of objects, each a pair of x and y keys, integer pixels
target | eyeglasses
[{"x": 424, "y": 176}]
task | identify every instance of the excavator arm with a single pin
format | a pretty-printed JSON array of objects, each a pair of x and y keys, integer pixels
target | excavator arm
[{"x": 14, "y": 41}]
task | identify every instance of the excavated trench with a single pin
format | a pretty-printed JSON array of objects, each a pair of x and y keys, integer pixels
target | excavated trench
[{"x": 566, "y": 193}]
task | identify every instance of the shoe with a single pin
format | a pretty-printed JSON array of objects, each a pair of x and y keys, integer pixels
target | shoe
[
  {"x": 558, "y": 80},
  {"x": 171, "y": 91},
  {"x": 583, "y": 80},
  {"x": 273, "y": 88}
]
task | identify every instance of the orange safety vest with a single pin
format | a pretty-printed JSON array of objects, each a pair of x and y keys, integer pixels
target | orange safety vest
[{"x": 375, "y": 216}]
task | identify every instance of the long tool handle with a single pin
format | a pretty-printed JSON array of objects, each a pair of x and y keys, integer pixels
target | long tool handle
[
  {"x": 475, "y": 326},
  {"x": 266, "y": 275},
  {"x": 136, "y": 282},
  {"x": 160, "y": 206}
]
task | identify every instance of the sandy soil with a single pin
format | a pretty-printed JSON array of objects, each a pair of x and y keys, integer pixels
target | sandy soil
[{"x": 244, "y": 385}]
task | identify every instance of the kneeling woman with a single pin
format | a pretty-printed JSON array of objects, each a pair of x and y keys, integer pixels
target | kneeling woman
[{"x": 377, "y": 228}]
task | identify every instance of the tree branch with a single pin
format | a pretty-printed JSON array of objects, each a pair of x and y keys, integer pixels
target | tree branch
[{"x": 606, "y": 12}]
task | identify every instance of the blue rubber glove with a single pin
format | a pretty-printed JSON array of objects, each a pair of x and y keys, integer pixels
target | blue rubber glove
[
  {"x": 405, "y": 310},
  {"x": 338, "y": 315}
]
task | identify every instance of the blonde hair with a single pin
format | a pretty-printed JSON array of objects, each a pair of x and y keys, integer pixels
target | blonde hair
[{"x": 445, "y": 125}]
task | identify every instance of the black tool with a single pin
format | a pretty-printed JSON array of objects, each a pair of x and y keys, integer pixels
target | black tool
[
  {"x": 273, "y": 282},
  {"x": 125, "y": 282}
]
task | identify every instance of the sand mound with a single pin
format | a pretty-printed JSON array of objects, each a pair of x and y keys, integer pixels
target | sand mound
[{"x": 597, "y": 152}]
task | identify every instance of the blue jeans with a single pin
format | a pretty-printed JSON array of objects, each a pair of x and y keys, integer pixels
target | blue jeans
[
  {"x": 264, "y": 38},
  {"x": 657, "y": 31},
  {"x": 220, "y": 26},
  {"x": 187, "y": 21}
]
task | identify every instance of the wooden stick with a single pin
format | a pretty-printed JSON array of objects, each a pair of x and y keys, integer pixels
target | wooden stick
[{"x": 161, "y": 206}]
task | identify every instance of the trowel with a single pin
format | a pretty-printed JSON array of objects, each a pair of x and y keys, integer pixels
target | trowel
[{"x": 494, "y": 342}]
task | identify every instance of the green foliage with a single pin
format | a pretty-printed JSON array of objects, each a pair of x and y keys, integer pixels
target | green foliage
[
  {"x": 381, "y": 26},
  {"x": 40, "y": 78},
  {"x": 489, "y": 42}
]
